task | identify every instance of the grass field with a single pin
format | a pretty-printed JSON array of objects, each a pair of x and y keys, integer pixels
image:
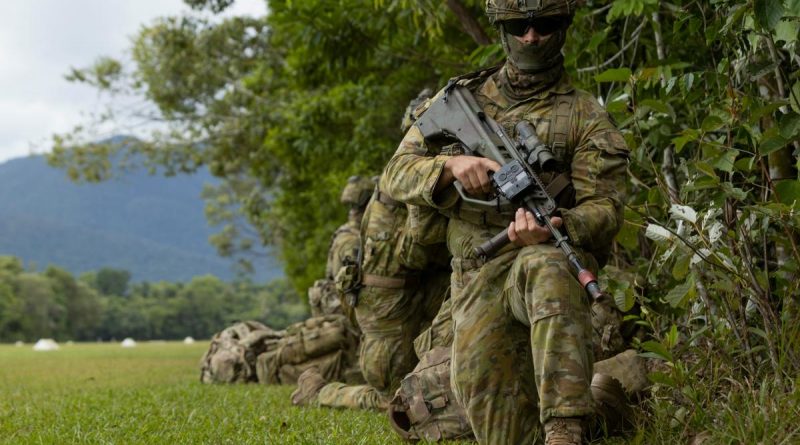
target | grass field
[{"x": 105, "y": 394}]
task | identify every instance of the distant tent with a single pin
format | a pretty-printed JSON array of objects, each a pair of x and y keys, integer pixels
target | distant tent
[
  {"x": 45, "y": 344},
  {"x": 128, "y": 343},
  {"x": 188, "y": 340},
  {"x": 19, "y": 343}
]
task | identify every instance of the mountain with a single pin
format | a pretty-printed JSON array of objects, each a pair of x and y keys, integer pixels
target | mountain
[{"x": 152, "y": 226}]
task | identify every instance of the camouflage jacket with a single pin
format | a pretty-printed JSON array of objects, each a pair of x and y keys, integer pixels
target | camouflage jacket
[
  {"x": 344, "y": 247},
  {"x": 595, "y": 154}
]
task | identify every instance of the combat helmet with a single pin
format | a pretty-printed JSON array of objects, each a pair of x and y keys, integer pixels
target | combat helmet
[
  {"x": 555, "y": 15},
  {"x": 408, "y": 115},
  {"x": 499, "y": 10},
  {"x": 357, "y": 191}
]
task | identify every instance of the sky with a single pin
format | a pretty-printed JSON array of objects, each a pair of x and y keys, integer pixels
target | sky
[{"x": 41, "y": 39}]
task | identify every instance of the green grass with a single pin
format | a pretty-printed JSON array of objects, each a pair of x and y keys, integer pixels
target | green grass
[{"x": 104, "y": 394}]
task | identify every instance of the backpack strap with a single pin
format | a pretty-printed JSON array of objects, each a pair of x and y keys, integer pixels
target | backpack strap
[{"x": 561, "y": 122}]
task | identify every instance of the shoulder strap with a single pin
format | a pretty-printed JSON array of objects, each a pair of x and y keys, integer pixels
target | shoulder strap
[{"x": 560, "y": 124}]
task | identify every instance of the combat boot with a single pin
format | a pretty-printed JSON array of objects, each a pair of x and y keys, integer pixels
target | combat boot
[
  {"x": 309, "y": 384},
  {"x": 563, "y": 431},
  {"x": 612, "y": 412}
]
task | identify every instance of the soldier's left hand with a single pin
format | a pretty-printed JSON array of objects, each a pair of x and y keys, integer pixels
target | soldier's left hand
[{"x": 525, "y": 231}]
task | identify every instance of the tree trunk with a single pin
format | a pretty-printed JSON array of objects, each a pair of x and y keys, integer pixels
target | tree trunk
[{"x": 471, "y": 26}]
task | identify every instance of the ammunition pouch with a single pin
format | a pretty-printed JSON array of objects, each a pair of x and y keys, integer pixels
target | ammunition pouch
[{"x": 424, "y": 407}]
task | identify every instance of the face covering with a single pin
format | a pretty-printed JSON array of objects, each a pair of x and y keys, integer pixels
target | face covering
[{"x": 534, "y": 58}]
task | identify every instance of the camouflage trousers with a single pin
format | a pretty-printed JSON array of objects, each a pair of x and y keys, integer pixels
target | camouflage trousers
[
  {"x": 522, "y": 350},
  {"x": 390, "y": 320}
]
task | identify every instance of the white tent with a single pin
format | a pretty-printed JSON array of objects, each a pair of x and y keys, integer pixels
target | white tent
[
  {"x": 128, "y": 343},
  {"x": 19, "y": 343},
  {"x": 45, "y": 344},
  {"x": 188, "y": 340}
]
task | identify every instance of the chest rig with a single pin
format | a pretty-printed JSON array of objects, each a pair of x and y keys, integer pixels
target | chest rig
[{"x": 552, "y": 127}]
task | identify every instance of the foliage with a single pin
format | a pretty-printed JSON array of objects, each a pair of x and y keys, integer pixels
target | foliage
[
  {"x": 707, "y": 95},
  {"x": 102, "y": 305},
  {"x": 298, "y": 101}
]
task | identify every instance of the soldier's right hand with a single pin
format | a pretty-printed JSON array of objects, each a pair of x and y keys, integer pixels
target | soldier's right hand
[{"x": 471, "y": 171}]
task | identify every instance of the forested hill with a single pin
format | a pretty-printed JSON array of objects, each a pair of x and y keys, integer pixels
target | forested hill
[{"x": 152, "y": 226}]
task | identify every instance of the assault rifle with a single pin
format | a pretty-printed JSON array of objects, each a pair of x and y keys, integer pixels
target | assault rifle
[{"x": 456, "y": 115}]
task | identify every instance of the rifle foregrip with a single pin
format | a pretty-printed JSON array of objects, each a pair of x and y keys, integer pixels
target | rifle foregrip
[{"x": 489, "y": 248}]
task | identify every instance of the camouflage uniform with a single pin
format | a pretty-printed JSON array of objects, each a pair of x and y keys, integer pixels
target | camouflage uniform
[
  {"x": 399, "y": 288},
  {"x": 329, "y": 339},
  {"x": 398, "y": 299},
  {"x": 522, "y": 342},
  {"x": 322, "y": 296}
]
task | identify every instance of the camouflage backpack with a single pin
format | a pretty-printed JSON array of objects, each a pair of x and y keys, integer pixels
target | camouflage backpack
[
  {"x": 424, "y": 407},
  {"x": 327, "y": 342},
  {"x": 231, "y": 357},
  {"x": 323, "y": 298}
]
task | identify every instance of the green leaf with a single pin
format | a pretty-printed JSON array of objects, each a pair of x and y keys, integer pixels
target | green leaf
[
  {"x": 771, "y": 143},
  {"x": 688, "y": 135},
  {"x": 768, "y": 13},
  {"x": 657, "y": 105},
  {"x": 657, "y": 349},
  {"x": 790, "y": 126},
  {"x": 745, "y": 164},
  {"x": 679, "y": 295},
  {"x": 596, "y": 40},
  {"x": 712, "y": 123},
  {"x": 687, "y": 80},
  {"x": 706, "y": 169},
  {"x": 614, "y": 75},
  {"x": 788, "y": 191},
  {"x": 660, "y": 377},
  {"x": 725, "y": 162},
  {"x": 681, "y": 268},
  {"x": 794, "y": 98},
  {"x": 628, "y": 236},
  {"x": 672, "y": 337},
  {"x": 787, "y": 31}
]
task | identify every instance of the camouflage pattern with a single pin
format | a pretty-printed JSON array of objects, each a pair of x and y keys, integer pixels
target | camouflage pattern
[
  {"x": 357, "y": 191},
  {"x": 342, "y": 395},
  {"x": 404, "y": 284},
  {"x": 327, "y": 342},
  {"x": 323, "y": 298},
  {"x": 523, "y": 333},
  {"x": 499, "y": 10},
  {"x": 231, "y": 356},
  {"x": 439, "y": 333}
]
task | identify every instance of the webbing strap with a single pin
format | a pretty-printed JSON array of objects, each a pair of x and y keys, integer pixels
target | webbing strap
[
  {"x": 389, "y": 282},
  {"x": 386, "y": 199},
  {"x": 560, "y": 123},
  {"x": 558, "y": 184}
]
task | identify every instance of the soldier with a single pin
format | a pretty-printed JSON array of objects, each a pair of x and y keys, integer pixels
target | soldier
[
  {"x": 328, "y": 341},
  {"x": 522, "y": 352},
  {"x": 322, "y": 296},
  {"x": 396, "y": 293}
]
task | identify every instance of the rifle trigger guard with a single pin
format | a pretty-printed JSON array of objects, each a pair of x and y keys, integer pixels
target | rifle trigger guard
[{"x": 494, "y": 203}]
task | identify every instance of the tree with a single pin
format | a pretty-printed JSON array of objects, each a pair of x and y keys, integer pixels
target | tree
[
  {"x": 110, "y": 281},
  {"x": 297, "y": 101}
]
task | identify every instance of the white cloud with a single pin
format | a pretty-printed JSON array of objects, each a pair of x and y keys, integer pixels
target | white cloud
[{"x": 41, "y": 39}]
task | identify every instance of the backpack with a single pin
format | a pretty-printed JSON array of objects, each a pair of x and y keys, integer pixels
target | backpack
[
  {"x": 231, "y": 356},
  {"x": 327, "y": 342},
  {"x": 424, "y": 407}
]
